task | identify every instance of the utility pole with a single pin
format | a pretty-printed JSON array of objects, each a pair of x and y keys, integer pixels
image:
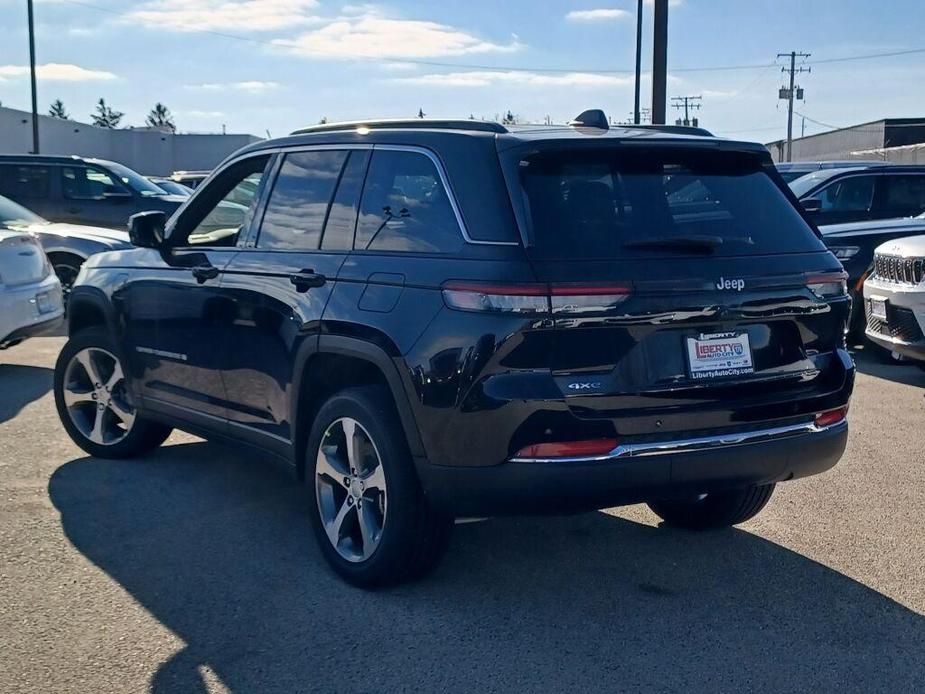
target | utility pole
[
  {"x": 660, "y": 62},
  {"x": 788, "y": 94},
  {"x": 636, "y": 114},
  {"x": 688, "y": 103},
  {"x": 35, "y": 98}
]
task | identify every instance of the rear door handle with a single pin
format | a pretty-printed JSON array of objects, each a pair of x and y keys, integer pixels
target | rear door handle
[
  {"x": 205, "y": 272},
  {"x": 307, "y": 279}
]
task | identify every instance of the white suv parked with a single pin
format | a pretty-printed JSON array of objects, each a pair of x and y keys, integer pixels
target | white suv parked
[
  {"x": 30, "y": 293},
  {"x": 894, "y": 297}
]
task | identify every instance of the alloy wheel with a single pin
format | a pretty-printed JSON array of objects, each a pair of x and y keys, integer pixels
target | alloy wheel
[
  {"x": 350, "y": 489},
  {"x": 96, "y": 398}
]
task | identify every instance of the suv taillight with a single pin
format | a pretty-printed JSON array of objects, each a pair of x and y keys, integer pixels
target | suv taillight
[
  {"x": 534, "y": 299},
  {"x": 828, "y": 285}
]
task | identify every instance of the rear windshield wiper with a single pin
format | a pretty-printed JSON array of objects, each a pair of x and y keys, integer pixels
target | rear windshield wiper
[{"x": 694, "y": 243}]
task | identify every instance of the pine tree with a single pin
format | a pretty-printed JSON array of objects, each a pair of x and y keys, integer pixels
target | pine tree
[
  {"x": 105, "y": 117},
  {"x": 160, "y": 117},
  {"x": 57, "y": 110}
]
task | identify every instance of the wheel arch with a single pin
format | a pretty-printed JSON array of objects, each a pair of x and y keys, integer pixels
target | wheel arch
[
  {"x": 337, "y": 362},
  {"x": 89, "y": 307}
]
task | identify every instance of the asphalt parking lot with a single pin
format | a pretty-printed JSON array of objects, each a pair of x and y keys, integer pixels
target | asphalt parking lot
[{"x": 194, "y": 570}]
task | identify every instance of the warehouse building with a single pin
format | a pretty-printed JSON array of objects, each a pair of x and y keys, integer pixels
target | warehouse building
[
  {"x": 889, "y": 139},
  {"x": 146, "y": 150}
]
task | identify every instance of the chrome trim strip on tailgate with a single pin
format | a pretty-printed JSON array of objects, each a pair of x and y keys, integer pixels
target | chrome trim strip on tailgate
[{"x": 691, "y": 445}]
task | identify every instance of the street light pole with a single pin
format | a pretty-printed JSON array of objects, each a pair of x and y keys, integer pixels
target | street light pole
[
  {"x": 636, "y": 112},
  {"x": 660, "y": 62},
  {"x": 35, "y": 100}
]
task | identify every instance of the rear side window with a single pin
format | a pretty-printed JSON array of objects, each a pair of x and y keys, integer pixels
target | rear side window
[
  {"x": 299, "y": 203},
  {"x": 602, "y": 204},
  {"x": 17, "y": 181},
  {"x": 405, "y": 207},
  {"x": 342, "y": 217},
  {"x": 904, "y": 195}
]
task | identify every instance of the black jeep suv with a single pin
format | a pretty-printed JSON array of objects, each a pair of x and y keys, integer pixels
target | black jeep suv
[{"x": 444, "y": 319}]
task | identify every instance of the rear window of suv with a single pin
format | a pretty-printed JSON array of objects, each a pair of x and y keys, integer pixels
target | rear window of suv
[{"x": 603, "y": 203}]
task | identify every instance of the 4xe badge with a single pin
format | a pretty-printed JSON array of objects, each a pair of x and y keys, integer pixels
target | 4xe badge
[{"x": 738, "y": 284}]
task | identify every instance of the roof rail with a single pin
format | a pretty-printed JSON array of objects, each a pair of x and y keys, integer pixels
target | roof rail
[
  {"x": 676, "y": 129},
  {"x": 406, "y": 123}
]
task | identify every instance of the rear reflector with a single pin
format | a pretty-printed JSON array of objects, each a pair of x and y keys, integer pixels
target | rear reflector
[
  {"x": 830, "y": 417},
  {"x": 568, "y": 449},
  {"x": 828, "y": 285},
  {"x": 533, "y": 298}
]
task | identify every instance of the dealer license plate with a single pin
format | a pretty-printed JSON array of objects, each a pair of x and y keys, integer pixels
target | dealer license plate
[{"x": 719, "y": 355}]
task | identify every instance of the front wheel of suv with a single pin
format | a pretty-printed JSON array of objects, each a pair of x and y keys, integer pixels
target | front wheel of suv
[
  {"x": 94, "y": 404},
  {"x": 714, "y": 509},
  {"x": 369, "y": 512}
]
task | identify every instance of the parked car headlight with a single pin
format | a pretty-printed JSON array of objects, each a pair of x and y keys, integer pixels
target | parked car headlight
[{"x": 844, "y": 252}]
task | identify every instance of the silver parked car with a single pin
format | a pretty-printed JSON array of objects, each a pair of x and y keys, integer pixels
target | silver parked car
[
  {"x": 894, "y": 298},
  {"x": 30, "y": 294},
  {"x": 67, "y": 245}
]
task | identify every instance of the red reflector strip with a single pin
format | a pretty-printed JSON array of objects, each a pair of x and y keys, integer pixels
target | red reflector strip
[
  {"x": 591, "y": 290},
  {"x": 830, "y": 417},
  {"x": 568, "y": 449}
]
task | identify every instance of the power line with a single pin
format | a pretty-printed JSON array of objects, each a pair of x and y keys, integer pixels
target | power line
[{"x": 510, "y": 68}]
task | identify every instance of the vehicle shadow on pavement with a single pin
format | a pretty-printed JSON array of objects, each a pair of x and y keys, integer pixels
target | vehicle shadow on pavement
[
  {"x": 906, "y": 373},
  {"x": 216, "y": 544},
  {"x": 20, "y": 385}
]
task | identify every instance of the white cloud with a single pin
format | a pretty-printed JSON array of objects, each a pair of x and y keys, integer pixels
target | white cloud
[
  {"x": 250, "y": 86},
  {"x": 486, "y": 78},
  {"x": 600, "y": 15},
  {"x": 60, "y": 72},
  {"x": 201, "y": 114},
  {"x": 372, "y": 36},
  {"x": 224, "y": 15}
]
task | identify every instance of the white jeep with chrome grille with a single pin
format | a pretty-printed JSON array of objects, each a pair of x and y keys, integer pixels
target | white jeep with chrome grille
[{"x": 894, "y": 297}]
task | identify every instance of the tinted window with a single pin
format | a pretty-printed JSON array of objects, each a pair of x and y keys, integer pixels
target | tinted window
[
  {"x": 83, "y": 183},
  {"x": 904, "y": 195},
  {"x": 216, "y": 219},
  {"x": 851, "y": 194},
  {"x": 18, "y": 181},
  {"x": 601, "y": 205},
  {"x": 342, "y": 218},
  {"x": 405, "y": 207},
  {"x": 299, "y": 202}
]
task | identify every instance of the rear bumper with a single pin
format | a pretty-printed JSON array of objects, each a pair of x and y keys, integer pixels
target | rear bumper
[
  {"x": 631, "y": 474},
  {"x": 20, "y": 316}
]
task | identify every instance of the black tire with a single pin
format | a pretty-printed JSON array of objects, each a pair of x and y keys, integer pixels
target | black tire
[
  {"x": 142, "y": 437},
  {"x": 414, "y": 536},
  {"x": 66, "y": 267},
  {"x": 714, "y": 510}
]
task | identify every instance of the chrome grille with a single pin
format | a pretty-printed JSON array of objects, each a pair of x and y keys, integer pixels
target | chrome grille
[{"x": 892, "y": 268}]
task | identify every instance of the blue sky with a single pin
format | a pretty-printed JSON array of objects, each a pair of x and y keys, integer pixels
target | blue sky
[{"x": 274, "y": 65}]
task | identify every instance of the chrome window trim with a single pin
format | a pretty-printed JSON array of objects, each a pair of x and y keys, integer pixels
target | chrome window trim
[{"x": 691, "y": 445}]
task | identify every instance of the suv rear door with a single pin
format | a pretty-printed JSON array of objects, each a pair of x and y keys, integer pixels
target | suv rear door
[
  {"x": 281, "y": 280},
  {"x": 656, "y": 257}
]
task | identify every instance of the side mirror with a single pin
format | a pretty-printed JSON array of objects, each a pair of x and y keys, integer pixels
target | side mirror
[
  {"x": 146, "y": 229},
  {"x": 812, "y": 204}
]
